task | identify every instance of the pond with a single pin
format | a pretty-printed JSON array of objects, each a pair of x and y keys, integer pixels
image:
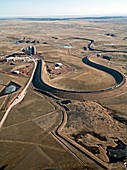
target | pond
[
  {"x": 10, "y": 88},
  {"x": 67, "y": 46}
]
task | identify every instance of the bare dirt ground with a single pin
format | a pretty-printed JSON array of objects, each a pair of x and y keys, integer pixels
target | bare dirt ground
[{"x": 27, "y": 139}]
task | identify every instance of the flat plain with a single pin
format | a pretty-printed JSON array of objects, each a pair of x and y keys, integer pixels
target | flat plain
[{"x": 29, "y": 138}]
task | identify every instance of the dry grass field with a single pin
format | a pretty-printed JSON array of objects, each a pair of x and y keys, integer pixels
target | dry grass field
[
  {"x": 28, "y": 139},
  {"x": 83, "y": 126}
]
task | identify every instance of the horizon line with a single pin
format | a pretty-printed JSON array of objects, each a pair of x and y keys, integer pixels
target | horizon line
[
  {"x": 64, "y": 16},
  {"x": 69, "y": 16}
]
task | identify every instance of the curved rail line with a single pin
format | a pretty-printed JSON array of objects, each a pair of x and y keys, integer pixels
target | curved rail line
[{"x": 40, "y": 85}]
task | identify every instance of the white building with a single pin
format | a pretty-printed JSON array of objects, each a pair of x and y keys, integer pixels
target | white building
[
  {"x": 58, "y": 65},
  {"x": 16, "y": 72}
]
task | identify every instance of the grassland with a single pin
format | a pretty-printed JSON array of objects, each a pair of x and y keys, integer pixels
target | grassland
[
  {"x": 26, "y": 134},
  {"x": 27, "y": 139}
]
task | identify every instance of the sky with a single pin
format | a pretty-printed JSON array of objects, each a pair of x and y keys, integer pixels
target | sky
[{"x": 45, "y": 8}]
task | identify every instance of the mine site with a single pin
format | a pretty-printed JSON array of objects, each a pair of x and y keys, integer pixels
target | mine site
[{"x": 63, "y": 94}]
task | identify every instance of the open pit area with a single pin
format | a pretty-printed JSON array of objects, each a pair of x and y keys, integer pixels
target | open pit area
[{"x": 71, "y": 112}]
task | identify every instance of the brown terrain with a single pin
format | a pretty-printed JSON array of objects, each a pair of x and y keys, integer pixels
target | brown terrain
[{"x": 63, "y": 132}]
